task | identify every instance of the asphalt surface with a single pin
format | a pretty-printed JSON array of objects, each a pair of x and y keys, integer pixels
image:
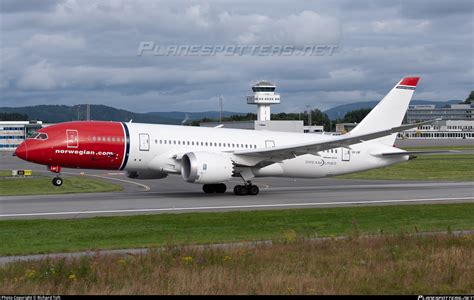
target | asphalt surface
[{"x": 173, "y": 195}]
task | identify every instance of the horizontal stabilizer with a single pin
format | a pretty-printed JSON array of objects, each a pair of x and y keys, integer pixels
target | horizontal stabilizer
[{"x": 416, "y": 152}]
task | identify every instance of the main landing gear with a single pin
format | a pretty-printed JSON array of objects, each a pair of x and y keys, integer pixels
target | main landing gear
[
  {"x": 214, "y": 188},
  {"x": 247, "y": 189},
  {"x": 57, "y": 181}
]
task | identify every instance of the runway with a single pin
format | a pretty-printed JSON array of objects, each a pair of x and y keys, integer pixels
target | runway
[{"x": 173, "y": 195}]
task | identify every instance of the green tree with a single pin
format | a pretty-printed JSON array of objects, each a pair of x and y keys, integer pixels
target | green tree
[
  {"x": 470, "y": 99},
  {"x": 317, "y": 118},
  {"x": 356, "y": 116},
  {"x": 320, "y": 118},
  {"x": 4, "y": 116}
]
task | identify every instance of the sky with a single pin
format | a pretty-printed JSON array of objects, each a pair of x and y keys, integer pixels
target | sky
[{"x": 120, "y": 53}]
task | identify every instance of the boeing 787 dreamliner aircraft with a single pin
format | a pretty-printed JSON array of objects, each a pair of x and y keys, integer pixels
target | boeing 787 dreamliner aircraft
[{"x": 212, "y": 156}]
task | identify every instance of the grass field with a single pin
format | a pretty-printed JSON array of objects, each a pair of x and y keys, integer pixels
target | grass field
[
  {"x": 465, "y": 147},
  {"x": 47, "y": 236},
  {"x": 42, "y": 186},
  {"x": 456, "y": 167},
  {"x": 400, "y": 264},
  {"x": 5, "y": 173}
]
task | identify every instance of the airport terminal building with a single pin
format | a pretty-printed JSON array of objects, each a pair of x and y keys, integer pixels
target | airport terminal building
[
  {"x": 12, "y": 133},
  {"x": 457, "y": 122},
  {"x": 421, "y": 113},
  {"x": 446, "y": 129}
]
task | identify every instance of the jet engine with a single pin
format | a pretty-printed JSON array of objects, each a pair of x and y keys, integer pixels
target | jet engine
[
  {"x": 146, "y": 174},
  {"x": 206, "y": 167}
]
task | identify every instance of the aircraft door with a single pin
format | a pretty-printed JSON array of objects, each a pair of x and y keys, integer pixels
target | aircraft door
[
  {"x": 269, "y": 144},
  {"x": 346, "y": 154},
  {"x": 72, "y": 138},
  {"x": 144, "y": 142}
]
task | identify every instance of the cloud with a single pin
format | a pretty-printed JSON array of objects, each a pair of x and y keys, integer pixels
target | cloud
[
  {"x": 15, "y": 6},
  {"x": 77, "y": 51},
  {"x": 400, "y": 26},
  {"x": 305, "y": 28},
  {"x": 54, "y": 41},
  {"x": 38, "y": 77}
]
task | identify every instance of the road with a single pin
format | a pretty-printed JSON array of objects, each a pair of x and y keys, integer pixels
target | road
[{"x": 173, "y": 195}]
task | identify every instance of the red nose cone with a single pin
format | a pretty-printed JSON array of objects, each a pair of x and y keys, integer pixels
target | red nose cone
[{"x": 22, "y": 151}]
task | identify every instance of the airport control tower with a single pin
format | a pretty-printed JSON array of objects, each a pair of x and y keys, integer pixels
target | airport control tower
[{"x": 263, "y": 96}]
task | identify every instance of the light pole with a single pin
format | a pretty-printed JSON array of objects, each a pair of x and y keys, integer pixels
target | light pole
[
  {"x": 220, "y": 108},
  {"x": 309, "y": 115}
]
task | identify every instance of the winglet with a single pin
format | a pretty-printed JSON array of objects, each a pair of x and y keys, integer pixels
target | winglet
[{"x": 409, "y": 81}]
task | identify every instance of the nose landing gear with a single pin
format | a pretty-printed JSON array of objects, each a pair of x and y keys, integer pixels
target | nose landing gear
[{"x": 57, "y": 181}]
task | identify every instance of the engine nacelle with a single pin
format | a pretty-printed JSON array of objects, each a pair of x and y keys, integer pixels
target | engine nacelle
[
  {"x": 146, "y": 174},
  {"x": 206, "y": 167}
]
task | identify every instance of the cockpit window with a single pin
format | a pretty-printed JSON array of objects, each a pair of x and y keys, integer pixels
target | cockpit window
[
  {"x": 42, "y": 136},
  {"x": 39, "y": 136},
  {"x": 34, "y": 135}
]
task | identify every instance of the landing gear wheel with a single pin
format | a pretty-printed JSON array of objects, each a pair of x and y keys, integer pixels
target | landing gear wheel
[
  {"x": 57, "y": 181},
  {"x": 240, "y": 190},
  {"x": 214, "y": 188},
  {"x": 253, "y": 190},
  {"x": 221, "y": 188},
  {"x": 209, "y": 188},
  {"x": 247, "y": 189}
]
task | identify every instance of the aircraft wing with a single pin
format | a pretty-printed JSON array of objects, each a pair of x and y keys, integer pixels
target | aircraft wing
[{"x": 291, "y": 151}]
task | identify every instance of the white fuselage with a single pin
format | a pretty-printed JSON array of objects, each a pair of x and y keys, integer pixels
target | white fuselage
[{"x": 157, "y": 147}]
